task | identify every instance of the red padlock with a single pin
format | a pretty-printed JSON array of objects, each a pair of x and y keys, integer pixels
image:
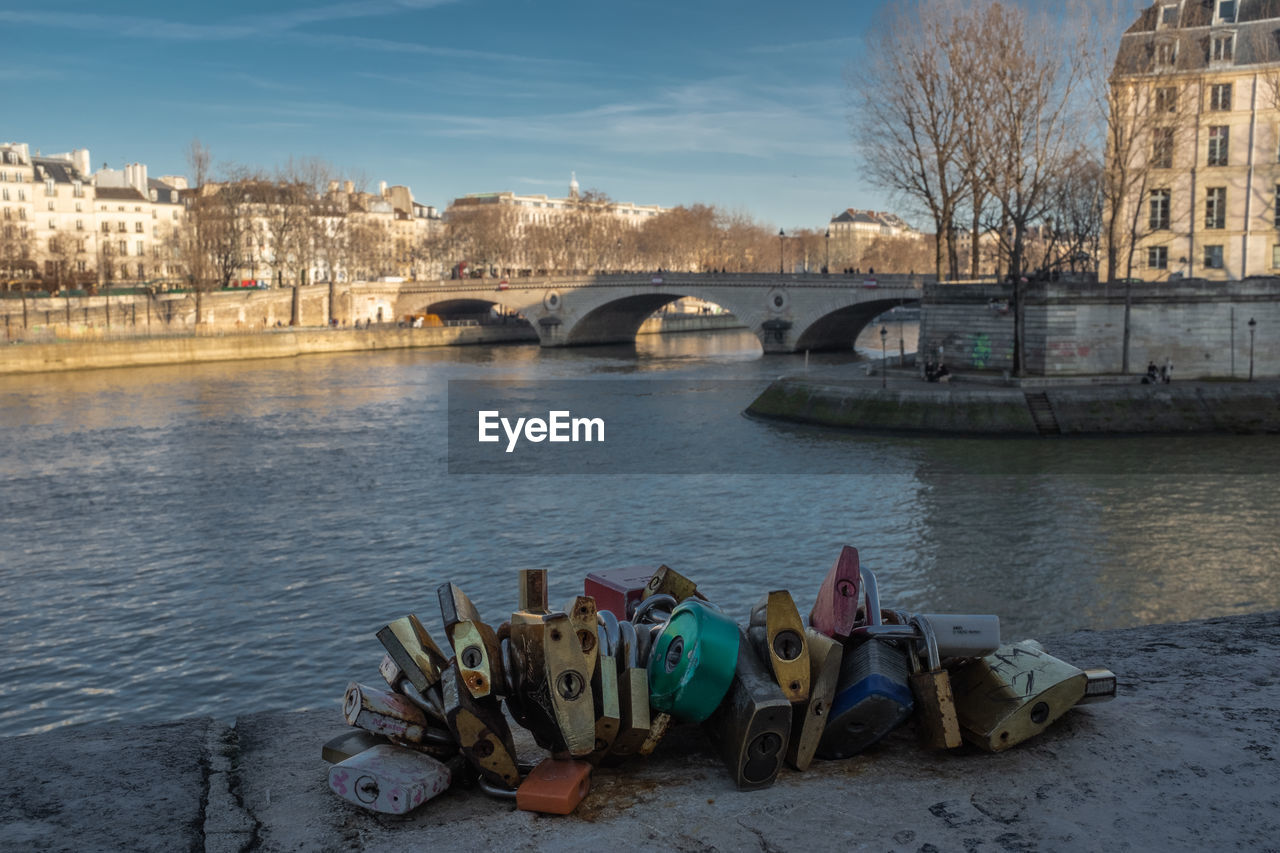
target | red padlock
[
  {"x": 618, "y": 590},
  {"x": 554, "y": 787},
  {"x": 836, "y": 610}
]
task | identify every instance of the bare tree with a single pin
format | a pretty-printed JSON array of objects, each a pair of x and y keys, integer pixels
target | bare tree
[{"x": 908, "y": 115}]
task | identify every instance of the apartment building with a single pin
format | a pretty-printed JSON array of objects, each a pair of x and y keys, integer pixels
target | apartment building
[{"x": 1197, "y": 91}]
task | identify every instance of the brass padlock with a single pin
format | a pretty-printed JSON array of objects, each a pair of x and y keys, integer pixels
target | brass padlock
[
  {"x": 667, "y": 581},
  {"x": 604, "y": 691},
  {"x": 480, "y": 730},
  {"x": 551, "y": 677},
  {"x": 809, "y": 718},
  {"x": 752, "y": 726},
  {"x": 413, "y": 650},
  {"x": 935, "y": 706},
  {"x": 778, "y": 636},
  {"x": 835, "y": 612},
  {"x": 475, "y": 644},
  {"x": 633, "y": 695},
  {"x": 1013, "y": 694},
  {"x": 582, "y": 615}
]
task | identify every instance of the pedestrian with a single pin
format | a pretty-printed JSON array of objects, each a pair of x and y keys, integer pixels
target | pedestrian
[{"x": 1166, "y": 374}]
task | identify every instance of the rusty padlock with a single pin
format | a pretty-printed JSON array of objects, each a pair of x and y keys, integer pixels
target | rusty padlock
[
  {"x": 667, "y": 581},
  {"x": 475, "y": 644},
  {"x": 552, "y": 682},
  {"x": 931, "y": 688},
  {"x": 480, "y": 730},
  {"x": 604, "y": 692},
  {"x": 776, "y": 632},
  {"x": 835, "y": 612}
]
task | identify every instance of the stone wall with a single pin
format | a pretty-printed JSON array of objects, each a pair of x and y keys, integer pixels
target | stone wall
[{"x": 1071, "y": 329}]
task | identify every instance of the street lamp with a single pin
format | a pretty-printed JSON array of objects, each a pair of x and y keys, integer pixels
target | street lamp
[
  {"x": 1252, "y": 324},
  {"x": 781, "y": 236},
  {"x": 826, "y": 266},
  {"x": 884, "y": 361}
]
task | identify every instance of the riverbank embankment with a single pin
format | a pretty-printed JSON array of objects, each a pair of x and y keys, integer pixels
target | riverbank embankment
[
  {"x": 286, "y": 343},
  {"x": 1076, "y": 407},
  {"x": 1183, "y": 759}
]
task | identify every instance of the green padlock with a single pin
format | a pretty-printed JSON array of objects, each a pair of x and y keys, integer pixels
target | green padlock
[{"x": 693, "y": 662}]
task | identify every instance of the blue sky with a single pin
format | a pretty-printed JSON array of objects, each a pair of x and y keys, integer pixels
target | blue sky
[{"x": 740, "y": 104}]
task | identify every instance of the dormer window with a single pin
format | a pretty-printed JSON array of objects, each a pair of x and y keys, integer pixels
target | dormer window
[
  {"x": 1222, "y": 48},
  {"x": 1169, "y": 15},
  {"x": 1166, "y": 54},
  {"x": 1226, "y": 11}
]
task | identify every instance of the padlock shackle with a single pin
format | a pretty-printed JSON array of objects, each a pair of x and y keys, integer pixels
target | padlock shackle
[
  {"x": 930, "y": 641},
  {"x": 495, "y": 791},
  {"x": 650, "y": 603},
  {"x": 424, "y": 701},
  {"x": 609, "y": 622},
  {"x": 873, "y": 596}
]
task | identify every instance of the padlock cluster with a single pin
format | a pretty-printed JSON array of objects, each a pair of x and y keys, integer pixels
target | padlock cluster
[{"x": 600, "y": 682}]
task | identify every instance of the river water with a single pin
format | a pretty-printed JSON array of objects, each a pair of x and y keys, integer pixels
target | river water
[{"x": 226, "y": 538}]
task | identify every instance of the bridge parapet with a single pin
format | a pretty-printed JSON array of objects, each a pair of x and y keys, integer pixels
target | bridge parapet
[{"x": 786, "y": 312}]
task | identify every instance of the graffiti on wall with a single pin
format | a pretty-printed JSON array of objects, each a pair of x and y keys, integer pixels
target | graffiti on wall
[{"x": 980, "y": 350}]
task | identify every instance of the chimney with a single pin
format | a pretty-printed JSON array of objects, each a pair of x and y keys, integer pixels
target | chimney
[
  {"x": 80, "y": 157},
  {"x": 348, "y": 187},
  {"x": 382, "y": 188}
]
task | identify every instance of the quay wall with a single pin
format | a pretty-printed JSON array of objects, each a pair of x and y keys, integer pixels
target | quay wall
[
  {"x": 191, "y": 349},
  {"x": 1076, "y": 329},
  {"x": 963, "y": 409}
]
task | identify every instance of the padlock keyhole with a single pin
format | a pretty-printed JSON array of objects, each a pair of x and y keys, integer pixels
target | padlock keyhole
[
  {"x": 1039, "y": 712},
  {"x": 846, "y": 589},
  {"x": 471, "y": 657},
  {"x": 569, "y": 685},
  {"x": 674, "y": 652},
  {"x": 787, "y": 645}
]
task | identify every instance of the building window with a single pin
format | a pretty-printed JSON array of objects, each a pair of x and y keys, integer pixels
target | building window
[
  {"x": 1162, "y": 148},
  {"x": 1213, "y": 257},
  {"x": 1220, "y": 97},
  {"x": 79, "y": 207},
  {"x": 141, "y": 249},
  {"x": 1220, "y": 48},
  {"x": 49, "y": 205},
  {"x": 22, "y": 213},
  {"x": 79, "y": 224},
  {"x": 6, "y": 193},
  {"x": 1159, "y": 210},
  {"x": 120, "y": 226},
  {"x": 48, "y": 188},
  {"x": 124, "y": 247},
  {"x": 77, "y": 189},
  {"x": 1219, "y": 138},
  {"x": 1227, "y": 11},
  {"x": 1169, "y": 15},
  {"x": 1158, "y": 257},
  {"x": 82, "y": 266},
  {"x": 106, "y": 227},
  {"x": 1276, "y": 214},
  {"x": 8, "y": 214},
  {"x": 1275, "y": 256},
  {"x": 53, "y": 225},
  {"x": 1166, "y": 99},
  {"x": 22, "y": 194},
  {"x": 1215, "y": 207},
  {"x": 137, "y": 226}
]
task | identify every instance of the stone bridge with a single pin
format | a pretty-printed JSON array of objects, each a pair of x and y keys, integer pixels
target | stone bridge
[{"x": 788, "y": 313}]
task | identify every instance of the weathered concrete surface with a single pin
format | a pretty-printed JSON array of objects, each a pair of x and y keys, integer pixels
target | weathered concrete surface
[
  {"x": 910, "y": 405},
  {"x": 109, "y": 787},
  {"x": 1184, "y": 759}
]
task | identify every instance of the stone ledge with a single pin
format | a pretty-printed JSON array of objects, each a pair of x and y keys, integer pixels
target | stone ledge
[{"x": 1184, "y": 759}]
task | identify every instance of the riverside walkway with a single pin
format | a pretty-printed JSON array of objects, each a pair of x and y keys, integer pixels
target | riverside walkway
[{"x": 1184, "y": 759}]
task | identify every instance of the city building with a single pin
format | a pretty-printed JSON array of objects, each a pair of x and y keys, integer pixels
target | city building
[
  {"x": 1196, "y": 145},
  {"x": 853, "y": 232},
  {"x": 542, "y": 210}
]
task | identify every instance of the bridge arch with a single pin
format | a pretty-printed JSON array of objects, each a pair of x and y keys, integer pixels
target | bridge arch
[
  {"x": 620, "y": 319},
  {"x": 838, "y": 329}
]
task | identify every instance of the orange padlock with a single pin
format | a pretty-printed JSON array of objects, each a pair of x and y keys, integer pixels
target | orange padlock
[{"x": 555, "y": 786}]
